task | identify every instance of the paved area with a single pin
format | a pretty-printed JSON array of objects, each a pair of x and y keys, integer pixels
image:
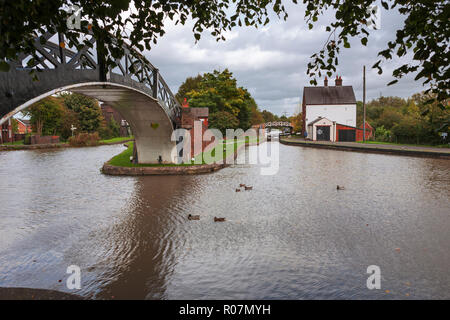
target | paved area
[{"x": 382, "y": 148}]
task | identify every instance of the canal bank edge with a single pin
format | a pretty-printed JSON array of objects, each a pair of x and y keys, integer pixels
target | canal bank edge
[
  {"x": 53, "y": 146},
  {"x": 367, "y": 149},
  {"x": 13, "y": 293},
  {"x": 109, "y": 169}
]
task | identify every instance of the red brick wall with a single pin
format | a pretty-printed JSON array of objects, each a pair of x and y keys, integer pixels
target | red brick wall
[
  {"x": 37, "y": 139},
  {"x": 343, "y": 127},
  {"x": 23, "y": 128},
  {"x": 188, "y": 118}
]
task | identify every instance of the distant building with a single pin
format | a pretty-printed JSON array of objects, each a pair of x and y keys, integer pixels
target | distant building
[
  {"x": 329, "y": 113},
  {"x": 188, "y": 117},
  {"x": 23, "y": 126},
  {"x": 323, "y": 129}
]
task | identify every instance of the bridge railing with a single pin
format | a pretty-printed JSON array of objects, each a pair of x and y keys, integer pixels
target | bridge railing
[
  {"x": 278, "y": 124},
  {"x": 133, "y": 66}
]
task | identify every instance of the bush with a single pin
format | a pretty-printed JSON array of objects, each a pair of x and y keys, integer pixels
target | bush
[
  {"x": 114, "y": 127},
  {"x": 105, "y": 132},
  {"x": 382, "y": 134},
  {"x": 27, "y": 139},
  {"x": 84, "y": 140}
]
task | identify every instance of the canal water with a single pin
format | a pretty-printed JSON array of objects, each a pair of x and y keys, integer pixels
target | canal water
[{"x": 294, "y": 236}]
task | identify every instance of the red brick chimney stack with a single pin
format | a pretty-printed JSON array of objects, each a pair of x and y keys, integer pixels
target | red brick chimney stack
[
  {"x": 338, "y": 81},
  {"x": 325, "y": 82},
  {"x": 185, "y": 103}
]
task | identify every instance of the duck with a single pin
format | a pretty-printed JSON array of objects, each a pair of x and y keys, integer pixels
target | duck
[
  {"x": 219, "y": 219},
  {"x": 238, "y": 190},
  {"x": 241, "y": 185},
  {"x": 340, "y": 188},
  {"x": 248, "y": 188},
  {"x": 191, "y": 217}
]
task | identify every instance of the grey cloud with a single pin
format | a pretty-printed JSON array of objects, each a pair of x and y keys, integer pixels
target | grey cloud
[{"x": 271, "y": 61}]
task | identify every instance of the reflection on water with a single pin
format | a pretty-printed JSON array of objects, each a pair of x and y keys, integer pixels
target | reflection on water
[{"x": 294, "y": 236}]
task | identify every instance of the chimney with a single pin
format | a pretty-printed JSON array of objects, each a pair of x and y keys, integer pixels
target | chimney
[
  {"x": 185, "y": 103},
  {"x": 338, "y": 81},
  {"x": 325, "y": 82}
]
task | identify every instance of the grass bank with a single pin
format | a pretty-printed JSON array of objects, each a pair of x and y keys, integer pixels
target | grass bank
[
  {"x": 220, "y": 152},
  {"x": 405, "y": 144},
  {"x": 19, "y": 145},
  {"x": 116, "y": 140},
  {"x": 15, "y": 143}
]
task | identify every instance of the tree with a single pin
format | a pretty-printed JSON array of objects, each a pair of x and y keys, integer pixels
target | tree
[
  {"x": 382, "y": 134},
  {"x": 245, "y": 111},
  {"x": 46, "y": 115},
  {"x": 425, "y": 30},
  {"x": 410, "y": 120},
  {"x": 69, "y": 119},
  {"x": 223, "y": 120},
  {"x": 14, "y": 125},
  {"x": 297, "y": 122},
  {"x": 218, "y": 91},
  {"x": 407, "y": 130},
  {"x": 87, "y": 109},
  {"x": 389, "y": 118},
  {"x": 110, "y": 21},
  {"x": 114, "y": 127},
  {"x": 190, "y": 84},
  {"x": 257, "y": 117},
  {"x": 268, "y": 116},
  {"x": 425, "y": 33}
]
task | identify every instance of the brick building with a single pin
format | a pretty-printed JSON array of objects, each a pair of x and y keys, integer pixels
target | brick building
[
  {"x": 23, "y": 126},
  {"x": 329, "y": 113},
  {"x": 323, "y": 129},
  {"x": 189, "y": 116}
]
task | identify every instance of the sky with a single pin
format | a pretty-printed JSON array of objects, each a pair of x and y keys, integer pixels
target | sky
[{"x": 271, "y": 61}]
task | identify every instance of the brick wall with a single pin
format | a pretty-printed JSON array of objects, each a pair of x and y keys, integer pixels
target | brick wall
[
  {"x": 37, "y": 139},
  {"x": 188, "y": 118}
]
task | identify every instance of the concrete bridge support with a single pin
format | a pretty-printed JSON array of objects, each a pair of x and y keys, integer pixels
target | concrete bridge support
[{"x": 149, "y": 123}]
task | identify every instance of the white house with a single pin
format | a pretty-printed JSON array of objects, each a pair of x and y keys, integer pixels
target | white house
[
  {"x": 334, "y": 103},
  {"x": 322, "y": 129}
]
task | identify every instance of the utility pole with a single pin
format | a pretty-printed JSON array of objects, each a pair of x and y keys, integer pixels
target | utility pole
[{"x": 364, "y": 103}]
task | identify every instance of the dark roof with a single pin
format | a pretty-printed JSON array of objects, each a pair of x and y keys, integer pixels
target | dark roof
[
  {"x": 25, "y": 121},
  {"x": 329, "y": 95}
]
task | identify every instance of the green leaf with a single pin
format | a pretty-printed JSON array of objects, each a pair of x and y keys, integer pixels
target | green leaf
[{"x": 392, "y": 82}]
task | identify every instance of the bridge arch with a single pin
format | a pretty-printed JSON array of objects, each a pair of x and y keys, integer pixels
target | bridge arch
[
  {"x": 134, "y": 88},
  {"x": 151, "y": 126}
]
